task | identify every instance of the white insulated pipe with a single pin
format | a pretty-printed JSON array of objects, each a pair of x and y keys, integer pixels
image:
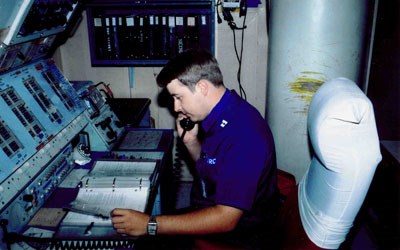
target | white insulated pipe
[{"x": 310, "y": 42}]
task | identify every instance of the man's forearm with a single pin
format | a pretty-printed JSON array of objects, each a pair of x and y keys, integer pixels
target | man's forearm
[{"x": 216, "y": 219}]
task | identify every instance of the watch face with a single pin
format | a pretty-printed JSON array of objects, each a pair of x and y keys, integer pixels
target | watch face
[
  {"x": 152, "y": 226},
  {"x": 152, "y": 229}
]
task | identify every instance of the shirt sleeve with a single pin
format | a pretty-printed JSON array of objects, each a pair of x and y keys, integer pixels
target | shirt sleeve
[{"x": 243, "y": 163}]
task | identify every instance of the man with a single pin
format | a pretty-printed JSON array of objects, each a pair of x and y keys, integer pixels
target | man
[{"x": 234, "y": 194}]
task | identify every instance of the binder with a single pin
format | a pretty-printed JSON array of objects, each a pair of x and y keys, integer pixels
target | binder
[
  {"x": 109, "y": 39},
  {"x": 130, "y": 37},
  {"x": 115, "y": 40},
  {"x": 165, "y": 37},
  {"x": 99, "y": 38},
  {"x": 123, "y": 37},
  {"x": 156, "y": 38},
  {"x": 139, "y": 37},
  {"x": 204, "y": 32},
  {"x": 172, "y": 36},
  {"x": 192, "y": 30},
  {"x": 180, "y": 40},
  {"x": 151, "y": 31},
  {"x": 113, "y": 184},
  {"x": 145, "y": 38}
]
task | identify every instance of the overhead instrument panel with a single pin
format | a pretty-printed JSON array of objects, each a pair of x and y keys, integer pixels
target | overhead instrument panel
[
  {"x": 32, "y": 29},
  {"x": 33, "y": 19},
  {"x": 36, "y": 103}
]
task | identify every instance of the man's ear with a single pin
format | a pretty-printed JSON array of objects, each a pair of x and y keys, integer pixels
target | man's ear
[{"x": 203, "y": 86}]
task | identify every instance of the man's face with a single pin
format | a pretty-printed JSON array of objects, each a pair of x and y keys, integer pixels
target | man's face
[{"x": 187, "y": 102}]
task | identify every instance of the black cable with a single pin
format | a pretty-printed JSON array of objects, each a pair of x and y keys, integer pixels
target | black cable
[
  {"x": 268, "y": 9},
  {"x": 228, "y": 17},
  {"x": 219, "y": 19},
  {"x": 3, "y": 224},
  {"x": 239, "y": 57}
]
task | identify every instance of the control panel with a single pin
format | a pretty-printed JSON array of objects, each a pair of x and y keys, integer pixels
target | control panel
[
  {"x": 36, "y": 103},
  {"x": 33, "y": 19},
  {"x": 40, "y": 116},
  {"x": 31, "y": 197},
  {"x": 104, "y": 128},
  {"x": 16, "y": 55},
  {"x": 48, "y": 125},
  {"x": 46, "y": 122}
]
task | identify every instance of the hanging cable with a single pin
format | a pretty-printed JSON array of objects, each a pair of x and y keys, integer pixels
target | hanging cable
[
  {"x": 228, "y": 17},
  {"x": 219, "y": 19},
  {"x": 240, "y": 56},
  {"x": 226, "y": 12}
]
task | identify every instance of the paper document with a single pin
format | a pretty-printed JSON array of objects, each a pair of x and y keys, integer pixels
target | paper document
[
  {"x": 101, "y": 201},
  {"x": 109, "y": 185}
]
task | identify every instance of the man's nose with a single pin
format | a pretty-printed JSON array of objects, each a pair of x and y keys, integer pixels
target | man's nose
[{"x": 177, "y": 106}]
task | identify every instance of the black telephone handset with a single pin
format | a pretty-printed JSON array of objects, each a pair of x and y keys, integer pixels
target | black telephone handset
[{"x": 187, "y": 125}]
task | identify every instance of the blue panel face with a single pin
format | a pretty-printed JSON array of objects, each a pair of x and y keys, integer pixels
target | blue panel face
[{"x": 36, "y": 103}]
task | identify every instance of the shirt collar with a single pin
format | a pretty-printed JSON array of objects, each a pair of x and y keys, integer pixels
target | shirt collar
[{"x": 216, "y": 112}]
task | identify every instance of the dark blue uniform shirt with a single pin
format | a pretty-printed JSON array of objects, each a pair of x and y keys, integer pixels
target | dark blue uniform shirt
[{"x": 237, "y": 165}]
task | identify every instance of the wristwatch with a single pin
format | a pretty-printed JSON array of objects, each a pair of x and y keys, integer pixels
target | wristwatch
[{"x": 152, "y": 226}]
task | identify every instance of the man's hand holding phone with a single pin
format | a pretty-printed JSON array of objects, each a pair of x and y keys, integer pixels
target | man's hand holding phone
[{"x": 185, "y": 124}]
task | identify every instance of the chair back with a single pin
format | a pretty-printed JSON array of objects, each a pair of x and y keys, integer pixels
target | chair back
[{"x": 346, "y": 152}]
